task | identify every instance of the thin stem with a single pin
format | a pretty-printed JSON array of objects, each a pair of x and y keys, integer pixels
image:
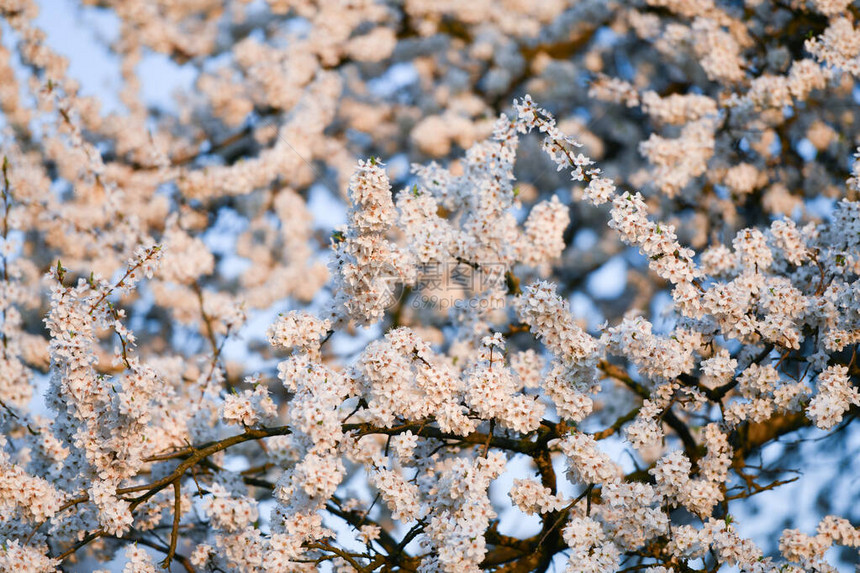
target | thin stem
[{"x": 174, "y": 532}]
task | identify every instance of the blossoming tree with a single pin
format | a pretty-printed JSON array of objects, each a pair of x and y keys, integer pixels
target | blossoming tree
[{"x": 201, "y": 372}]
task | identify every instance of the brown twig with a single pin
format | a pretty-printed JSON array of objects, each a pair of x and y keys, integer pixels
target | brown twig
[{"x": 174, "y": 532}]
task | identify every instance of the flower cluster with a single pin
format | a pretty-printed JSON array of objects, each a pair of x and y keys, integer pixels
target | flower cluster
[
  {"x": 446, "y": 343},
  {"x": 368, "y": 265}
]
